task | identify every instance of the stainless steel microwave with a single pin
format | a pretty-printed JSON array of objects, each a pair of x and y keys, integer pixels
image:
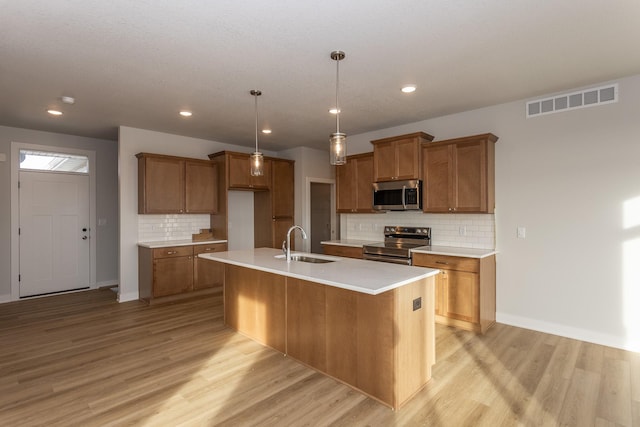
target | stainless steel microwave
[{"x": 398, "y": 195}]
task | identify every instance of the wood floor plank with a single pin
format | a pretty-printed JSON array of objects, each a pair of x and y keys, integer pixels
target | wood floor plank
[{"x": 84, "y": 359}]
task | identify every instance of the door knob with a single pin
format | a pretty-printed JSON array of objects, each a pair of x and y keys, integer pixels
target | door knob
[{"x": 84, "y": 237}]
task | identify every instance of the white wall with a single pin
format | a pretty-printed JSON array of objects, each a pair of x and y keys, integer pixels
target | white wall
[
  {"x": 131, "y": 142},
  {"x": 569, "y": 178},
  {"x": 106, "y": 199}
]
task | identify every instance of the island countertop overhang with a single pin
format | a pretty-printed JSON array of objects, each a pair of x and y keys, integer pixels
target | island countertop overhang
[{"x": 368, "y": 277}]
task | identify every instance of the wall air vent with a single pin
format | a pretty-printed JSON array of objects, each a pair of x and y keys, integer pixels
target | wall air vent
[{"x": 570, "y": 101}]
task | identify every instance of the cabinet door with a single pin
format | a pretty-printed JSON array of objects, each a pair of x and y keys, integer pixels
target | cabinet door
[
  {"x": 346, "y": 187},
  {"x": 470, "y": 184},
  {"x": 280, "y": 227},
  {"x": 461, "y": 296},
  {"x": 440, "y": 286},
  {"x": 437, "y": 178},
  {"x": 207, "y": 274},
  {"x": 407, "y": 158},
  {"x": 239, "y": 171},
  {"x": 282, "y": 188},
  {"x": 384, "y": 159},
  {"x": 201, "y": 187},
  {"x": 172, "y": 275},
  {"x": 162, "y": 185},
  {"x": 364, "y": 181}
]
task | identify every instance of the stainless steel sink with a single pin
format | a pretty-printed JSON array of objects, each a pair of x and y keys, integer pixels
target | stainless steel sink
[
  {"x": 310, "y": 259},
  {"x": 306, "y": 258}
]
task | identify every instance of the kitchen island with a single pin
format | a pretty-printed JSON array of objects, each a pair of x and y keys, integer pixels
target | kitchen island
[{"x": 367, "y": 324}]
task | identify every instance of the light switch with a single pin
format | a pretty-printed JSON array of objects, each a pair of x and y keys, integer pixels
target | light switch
[
  {"x": 522, "y": 232},
  {"x": 3, "y": 157},
  {"x": 102, "y": 222}
]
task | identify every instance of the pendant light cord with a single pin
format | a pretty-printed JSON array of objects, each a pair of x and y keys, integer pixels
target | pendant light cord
[
  {"x": 337, "y": 84},
  {"x": 256, "y": 103}
]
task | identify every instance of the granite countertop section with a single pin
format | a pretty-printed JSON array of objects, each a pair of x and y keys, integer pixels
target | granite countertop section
[
  {"x": 455, "y": 251},
  {"x": 170, "y": 243},
  {"x": 347, "y": 242},
  {"x": 369, "y": 277}
]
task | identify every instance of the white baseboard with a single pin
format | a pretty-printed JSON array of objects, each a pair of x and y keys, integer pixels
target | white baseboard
[
  {"x": 569, "y": 332},
  {"x": 5, "y": 298},
  {"x": 128, "y": 296}
]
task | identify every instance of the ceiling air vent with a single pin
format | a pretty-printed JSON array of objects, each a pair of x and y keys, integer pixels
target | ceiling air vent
[{"x": 571, "y": 101}]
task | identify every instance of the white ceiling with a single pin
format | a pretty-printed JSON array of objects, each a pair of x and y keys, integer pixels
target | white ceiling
[{"x": 137, "y": 63}]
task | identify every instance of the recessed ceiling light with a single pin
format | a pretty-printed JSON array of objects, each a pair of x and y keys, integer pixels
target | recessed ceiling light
[
  {"x": 334, "y": 111},
  {"x": 267, "y": 131},
  {"x": 409, "y": 88},
  {"x": 186, "y": 113},
  {"x": 68, "y": 100},
  {"x": 54, "y": 112}
]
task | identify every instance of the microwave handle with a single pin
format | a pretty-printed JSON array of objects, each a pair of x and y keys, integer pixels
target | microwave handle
[{"x": 404, "y": 199}]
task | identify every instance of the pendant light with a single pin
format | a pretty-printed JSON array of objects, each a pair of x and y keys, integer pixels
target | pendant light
[
  {"x": 256, "y": 159},
  {"x": 337, "y": 140}
]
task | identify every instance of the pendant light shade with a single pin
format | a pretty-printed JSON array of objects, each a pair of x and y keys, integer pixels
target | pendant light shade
[
  {"x": 256, "y": 159},
  {"x": 337, "y": 140}
]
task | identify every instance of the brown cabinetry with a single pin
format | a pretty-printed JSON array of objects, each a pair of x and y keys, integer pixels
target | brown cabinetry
[
  {"x": 169, "y": 185},
  {"x": 344, "y": 251},
  {"x": 354, "y": 179},
  {"x": 459, "y": 175},
  {"x": 175, "y": 271},
  {"x": 240, "y": 178},
  {"x": 398, "y": 157},
  {"x": 386, "y": 351},
  {"x": 465, "y": 290},
  {"x": 274, "y": 209}
]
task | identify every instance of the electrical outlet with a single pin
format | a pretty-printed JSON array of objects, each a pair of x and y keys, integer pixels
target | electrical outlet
[
  {"x": 522, "y": 232},
  {"x": 462, "y": 230},
  {"x": 417, "y": 303}
]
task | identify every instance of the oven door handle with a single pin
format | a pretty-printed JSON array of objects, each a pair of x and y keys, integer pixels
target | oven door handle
[{"x": 391, "y": 259}]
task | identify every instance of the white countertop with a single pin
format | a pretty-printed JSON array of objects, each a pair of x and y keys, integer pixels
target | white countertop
[
  {"x": 369, "y": 277},
  {"x": 455, "y": 251},
  {"x": 348, "y": 242},
  {"x": 169, "y": 243},
  {"x": 435, "y": 250}
]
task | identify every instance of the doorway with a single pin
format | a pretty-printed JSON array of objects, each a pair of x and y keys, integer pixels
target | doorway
[
  {"x": 321, "y": 214},
  {"x": 52, "y": 216}
]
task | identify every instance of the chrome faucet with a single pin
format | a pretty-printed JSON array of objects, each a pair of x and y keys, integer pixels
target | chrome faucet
[{"x": 286, "y": 245}]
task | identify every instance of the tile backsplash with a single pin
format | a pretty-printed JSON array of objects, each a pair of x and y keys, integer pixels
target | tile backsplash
[
  {"x": 153, "y": 228},
  {"x": 461, "y": 230}
]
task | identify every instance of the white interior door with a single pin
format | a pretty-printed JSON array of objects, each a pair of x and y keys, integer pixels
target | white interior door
[{"x": 54, "y": 232}]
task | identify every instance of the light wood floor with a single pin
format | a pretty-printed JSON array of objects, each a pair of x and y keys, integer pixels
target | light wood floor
[{"x": 83, "y": 359}]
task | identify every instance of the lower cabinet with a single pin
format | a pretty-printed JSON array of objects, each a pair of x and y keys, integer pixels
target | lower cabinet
[
  {"x": 465, "y": 290},
  {"x": 345, "y": 251},
  {"x": 176, "y": 271}
]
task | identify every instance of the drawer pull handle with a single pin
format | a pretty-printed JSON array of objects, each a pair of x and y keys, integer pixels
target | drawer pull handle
[
  {"x": 208, "y": 249},
  {"x": 442, "y": 262},
  {"x": 172, "y": 252}
]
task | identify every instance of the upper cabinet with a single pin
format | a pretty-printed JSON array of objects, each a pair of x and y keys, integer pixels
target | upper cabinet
[
  {"x": 459, "y": 175},
  {"x": 170, "y": 185},
  {"x": 398, "y": 157},
  {"x": 354, "y": 192},
  {"x": 239, "y": 170},
  {"x": 274, "y": 209}
]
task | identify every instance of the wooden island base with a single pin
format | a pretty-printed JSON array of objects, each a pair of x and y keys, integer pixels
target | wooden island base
[{"x": 382, "y": 345}]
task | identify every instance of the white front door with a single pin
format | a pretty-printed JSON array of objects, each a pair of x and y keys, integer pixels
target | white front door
[{"x": 54, "y": 232}]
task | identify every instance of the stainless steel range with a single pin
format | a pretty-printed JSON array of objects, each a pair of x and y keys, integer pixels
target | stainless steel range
[{"x": 397, "y": 245}]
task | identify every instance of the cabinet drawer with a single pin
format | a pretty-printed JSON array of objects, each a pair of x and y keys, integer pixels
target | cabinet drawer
[
  {"x": 344, "y": 251},
  {"x": 173, "y": 251},
  {"x": 213, "y": 247},
  {"x": 445, "y": 262}
]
